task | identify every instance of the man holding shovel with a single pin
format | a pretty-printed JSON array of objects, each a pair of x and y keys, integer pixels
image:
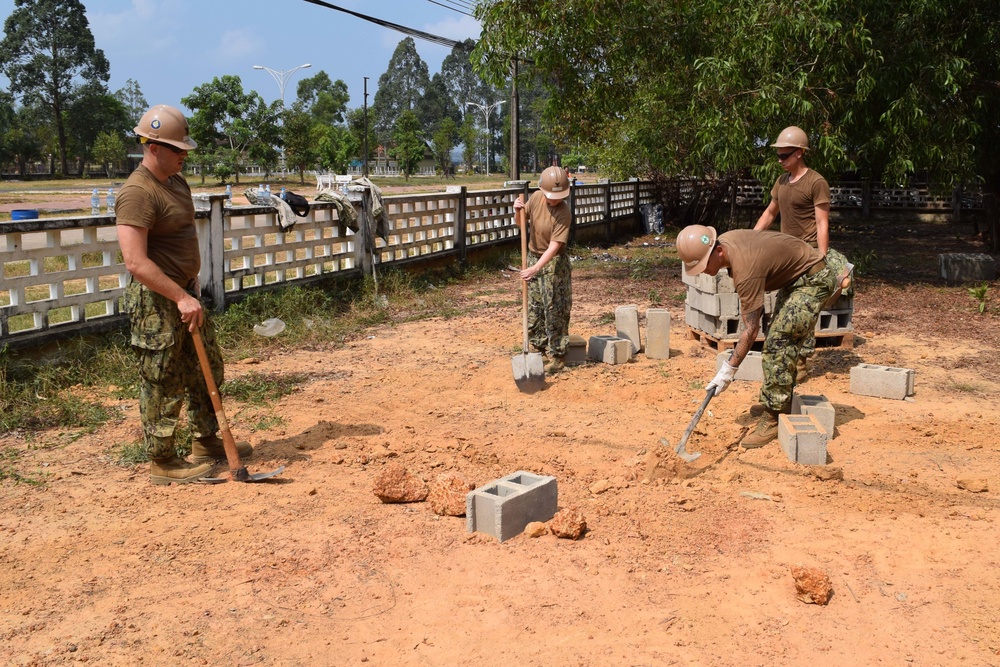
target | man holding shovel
[
  {"x": 156, "y": 232},
  {"x": 760, "y": 262},
  {"x": 550, "y": 293}
]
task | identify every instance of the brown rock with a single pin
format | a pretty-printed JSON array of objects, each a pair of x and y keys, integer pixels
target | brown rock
[
  {"x": 600, "y": 486},
  {"x": 447, "y": 494},
  {"x": 661, "y": 463},
  {"x": 828, "y": 473},
  {"x": 973, "y": 484},
  {"x": 535, "y": 529},
  {"x": 812, "y": 585},
  {"x": 396, "y": 484},
  {"x": 568, "y": 523}
]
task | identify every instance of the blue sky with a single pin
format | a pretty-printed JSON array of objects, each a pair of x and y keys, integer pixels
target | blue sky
[{"x": 172, "y": 46}]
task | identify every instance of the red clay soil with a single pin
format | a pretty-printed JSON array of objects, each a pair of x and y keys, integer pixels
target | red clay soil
[{"x": 692, "y": 569}]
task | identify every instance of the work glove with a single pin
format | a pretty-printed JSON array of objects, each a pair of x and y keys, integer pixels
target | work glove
[{"x": 722, "y": 378}]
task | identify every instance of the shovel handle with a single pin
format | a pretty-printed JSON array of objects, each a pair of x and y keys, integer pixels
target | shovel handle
[
  {"x": 522, "y": 223},
  {"x": 694, "y": 420},
  {"x": 236, "y": 468}
]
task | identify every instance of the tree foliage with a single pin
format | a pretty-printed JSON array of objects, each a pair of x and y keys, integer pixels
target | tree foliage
[
  {"x": 888, "y": 90},
  {"x": 409, "y": 147},
  {"x": 232, "y": 127},
  {"x": 399, "y": 89},
  {"x": 46, "y": 50},
  {"x": 109, "y": 150},
  {"x": 135, "y": 102},
  {"x": 325, "y": 100}
]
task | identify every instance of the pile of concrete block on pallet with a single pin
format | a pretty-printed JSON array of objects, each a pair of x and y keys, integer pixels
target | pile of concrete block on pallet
[{"x": 712, "y": 311}]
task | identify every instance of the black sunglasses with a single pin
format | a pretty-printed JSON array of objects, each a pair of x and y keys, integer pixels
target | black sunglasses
[
  {"x": 785, "y": 156},
  {"x": 170, "y": 146}
]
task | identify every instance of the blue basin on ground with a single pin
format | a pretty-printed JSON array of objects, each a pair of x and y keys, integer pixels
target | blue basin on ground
[{"x": 24, "y": 214}]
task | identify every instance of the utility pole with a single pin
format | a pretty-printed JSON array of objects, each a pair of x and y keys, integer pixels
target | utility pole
[
  {"x": 515, "y": 138},
  {"x": 366, "y": 128}
]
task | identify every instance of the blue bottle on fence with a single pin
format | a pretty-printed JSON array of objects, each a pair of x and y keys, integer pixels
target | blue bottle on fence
[
  {"x": 282, "y": 195},
  {"x": 262, "y": 195},
  {"x": 229, "y": 196},
  {"x": 95, "y": 203},
  {"x": 111, "y": 201}
]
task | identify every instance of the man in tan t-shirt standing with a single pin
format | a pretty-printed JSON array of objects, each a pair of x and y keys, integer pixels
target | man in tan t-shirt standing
[
  {"x": 550, "y": 292},
  {"x": 802, "y": 197},
  {"x": 156, "y": 232},
  {"x": 760, "y": 262}
]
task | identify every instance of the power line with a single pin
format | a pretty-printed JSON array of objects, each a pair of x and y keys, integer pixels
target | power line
[
  {"x": 435, "y": 2},
  {"x": 443, "y": 41}
]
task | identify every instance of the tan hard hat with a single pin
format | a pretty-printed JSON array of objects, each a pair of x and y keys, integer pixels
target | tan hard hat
[
  {"x": 694, "y": 245},
  {"x": 554, "y": 183},
  {"x": 792, "y": 137},
  {"x": 165, "y": 125}
]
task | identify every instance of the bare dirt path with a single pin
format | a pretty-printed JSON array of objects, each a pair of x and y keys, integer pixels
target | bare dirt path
[{"x": 98, "y": 566}]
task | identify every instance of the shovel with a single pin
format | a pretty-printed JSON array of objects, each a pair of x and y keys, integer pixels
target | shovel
[
  {"x": 529, "y": 371},
  {"x": 681, "y": 449},
  {"x": 237, "y": 471}
]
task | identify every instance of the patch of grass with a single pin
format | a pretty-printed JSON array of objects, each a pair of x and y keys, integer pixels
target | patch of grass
[
  {"x": 8, "y": 468},
  {"x": 606, "y": 318},
  {"x": 864, "y": 262},
  {"x": 965, "y": 387},
  {"x": 263, "y": 388},
  {"x": 980, "y": 294},
  {"x": 655, "y": 297},
  {"x": 266, "y": 422},
  {"x": 130, "y": 454}
]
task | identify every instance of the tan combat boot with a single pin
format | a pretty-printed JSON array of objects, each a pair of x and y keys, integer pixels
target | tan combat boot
[
  {"x": 211, "y": 449},
  {"x": 766, "y": 431},
  {"x": 554, "y": 366},
  {"x": 175, "y": 470},
  {"x": 801, "y": 370}
]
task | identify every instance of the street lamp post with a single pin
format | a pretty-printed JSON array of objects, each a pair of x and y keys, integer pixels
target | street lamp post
[
  {"x": 281, "y": 77},
  {"x": 487, "y": 111}
]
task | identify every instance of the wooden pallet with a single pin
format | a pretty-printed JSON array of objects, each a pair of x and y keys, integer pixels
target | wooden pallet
[{"x": 841, "y": 340}]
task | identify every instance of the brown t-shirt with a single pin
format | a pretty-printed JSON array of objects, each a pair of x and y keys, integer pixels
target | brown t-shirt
[
  {"x": 548, "y": 223},
  {"x": 765, "y": 261},
  {"x": 797, "y": 202},
  {"x": 167, "y": 211}
]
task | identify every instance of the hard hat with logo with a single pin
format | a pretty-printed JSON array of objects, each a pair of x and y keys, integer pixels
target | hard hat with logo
[
  {"x": 554, "y": 183},
  {"x": 165, "y": 125},
  {"x": 694, "y": 245},
  {"x": 792, "y": 137}
]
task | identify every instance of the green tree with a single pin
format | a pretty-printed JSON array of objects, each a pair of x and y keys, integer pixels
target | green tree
[
  {"x": 408, "y": 144},
  {"x": 444, "y": 141},
  {"x": 91, "y": 112},
  {"x": 356, "y": 126},
  {"x": 461, "y": 81},
  {"x": 232, "y": 128},
  {"x": 325, "y": 100},
  {"x": 296, "y": 131},
  {"x": 399, "y": 89},
  {"x": 47, "y": 48},
  {"x": 135, "y": 102},
  {"x": 336, "y": 146},
  {"x": 109, "y": 150}
]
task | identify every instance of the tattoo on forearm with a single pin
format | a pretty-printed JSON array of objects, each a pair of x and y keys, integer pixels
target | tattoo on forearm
[{"x": 751, "y": 325}]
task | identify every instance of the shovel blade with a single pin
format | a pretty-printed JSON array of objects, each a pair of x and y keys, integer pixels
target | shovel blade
[
  {"x": 242, "y": 475},
  {"x": 680, "y": 451},
  {"x": 529, "y": 371}
]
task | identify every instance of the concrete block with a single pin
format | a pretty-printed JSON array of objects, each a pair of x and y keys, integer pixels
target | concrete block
[
  {"x": 627, "y": 325},
  {"x": 576, "y": 351},
  {"x": 505, "y": 506},
  {"x": 690, "y": 315},
  {"x": 770, "y": 301},
  {"x": 703, "y": 301},
  {"x": 720, "y": 283},
  {"x": 835, "y": 321},
  {"x": 802, "y": 439},
  {"x": 882, "y": 381},
  {"x": 751, "y": 369},
  {"x": 719, "y": 327},
  {"x": 658, "y": 333},
  {"x": 818, "y": 406},
  {"x": 960, "y": 267},
  {"x": 729, "y": 305},
  {"x": 609, "y": 349}
]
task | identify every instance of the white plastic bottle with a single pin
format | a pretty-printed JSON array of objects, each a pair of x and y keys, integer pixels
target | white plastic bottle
[
  {"x": 111, "y": 201},
  {"x": 261, "y": 195},
  {"x": 95, "y": 202},
  {"x": 282, "y": 195},
  {"x": 229, "y": 196}
]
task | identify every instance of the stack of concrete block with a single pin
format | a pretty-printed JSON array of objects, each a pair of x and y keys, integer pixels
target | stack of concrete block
[
  {"x": 713, "y": 307},
  {"x": 752, "y": 368},
  {"x": 882, "y": 381},
  {"x": 505, "y": 506}
]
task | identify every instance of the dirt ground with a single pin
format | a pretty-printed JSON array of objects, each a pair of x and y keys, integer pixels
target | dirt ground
[{"x": 311, "y": 569}]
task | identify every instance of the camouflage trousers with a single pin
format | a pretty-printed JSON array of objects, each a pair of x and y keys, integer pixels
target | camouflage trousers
[
  {"x": 837, "y": 262},
  {"x": 550, "y": 299},
  {"x": 169, "y": 372},
  {"x": 793, "y": 323}
]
